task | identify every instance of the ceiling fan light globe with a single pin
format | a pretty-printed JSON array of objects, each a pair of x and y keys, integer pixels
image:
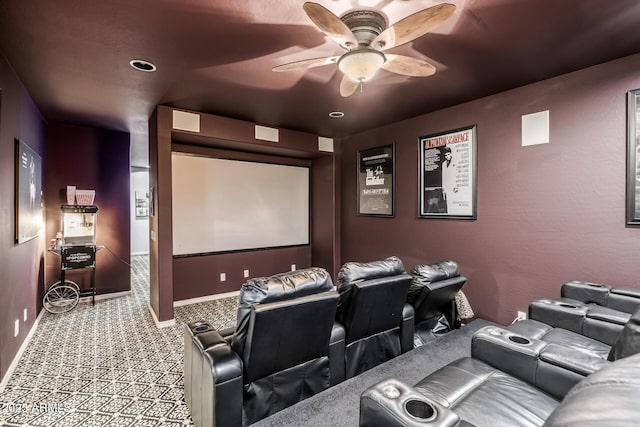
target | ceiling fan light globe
[{"x": 361, "y": 65}]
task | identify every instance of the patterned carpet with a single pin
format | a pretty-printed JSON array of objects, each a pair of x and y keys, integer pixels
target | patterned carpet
[{"x": 107, "y": 365}]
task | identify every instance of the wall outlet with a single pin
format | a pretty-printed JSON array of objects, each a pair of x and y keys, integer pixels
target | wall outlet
[
  {"x": 223, "y": 277},
  {"x": 25, "y": 315},
  {"x": 16, "y": 328},
  {"x": 293, "y": 267},
  {"x": 246, "y": 274},
  {"x": 522, "y": 315}
]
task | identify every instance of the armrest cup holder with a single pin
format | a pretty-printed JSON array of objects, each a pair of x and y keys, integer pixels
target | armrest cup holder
[
  {"x": 566, "y": 314},
  {"x": 392, "y": 402}
]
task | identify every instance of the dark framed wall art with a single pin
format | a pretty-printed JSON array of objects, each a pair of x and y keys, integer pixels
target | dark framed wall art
[
  {"x": 633, "y": 157},
  {"x": 447, "y": 174},
  {"x": 28, "y": 193},
  {"x": 376, "y": 181},
  {"x": 142, "y": 204}
]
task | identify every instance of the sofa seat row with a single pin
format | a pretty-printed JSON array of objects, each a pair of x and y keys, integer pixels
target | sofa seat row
[
  {"x": 512, "y": 380},
  {"x": 527, "y": 374},
  {"x": 596, "y": 310},
  {"x": 296, "y": 335}
]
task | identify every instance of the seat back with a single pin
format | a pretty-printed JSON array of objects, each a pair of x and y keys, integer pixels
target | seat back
[
  {"x": 282, "y": 336},
  {"x": 433, "y": 290},
  {"x": 376, "y": 306},
  {"x": 628, "y": 342},
  {"x": 288, "y": 333},
  {"x": 607, "y": 398},
  {"x": 372, "y": 297}
]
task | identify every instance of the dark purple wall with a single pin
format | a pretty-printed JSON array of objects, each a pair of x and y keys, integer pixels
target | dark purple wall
[
  {"x": 97, "y": 159},
  {"x": 546, "y": 214},
  {"x": 21, "y": 266},
  {"x": 200, "y": 275}
]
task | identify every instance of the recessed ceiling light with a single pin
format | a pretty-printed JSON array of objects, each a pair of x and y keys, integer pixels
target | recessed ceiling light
[
  {"x": 141, "y": 65},
  {"x": 336, "y": 114}
]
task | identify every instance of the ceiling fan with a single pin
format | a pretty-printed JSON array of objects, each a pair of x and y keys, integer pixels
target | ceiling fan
[{"x": 365, "y": 36}]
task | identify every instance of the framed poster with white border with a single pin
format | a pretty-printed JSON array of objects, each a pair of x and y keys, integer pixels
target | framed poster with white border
[
  {"x": 633, "y": 157},
  {"x": 447, "y": 174},
  {"x": 376, "y": 181}
]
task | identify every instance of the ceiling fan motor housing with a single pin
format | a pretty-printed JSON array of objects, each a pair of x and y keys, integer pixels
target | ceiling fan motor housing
[{"x": 365, "y": 25}]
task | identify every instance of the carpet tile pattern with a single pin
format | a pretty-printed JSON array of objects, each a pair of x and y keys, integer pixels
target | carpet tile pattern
[{"x": 107, "y": 365}]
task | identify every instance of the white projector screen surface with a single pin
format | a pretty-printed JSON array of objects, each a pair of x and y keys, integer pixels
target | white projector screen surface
[{"x": 228, "y": 205}]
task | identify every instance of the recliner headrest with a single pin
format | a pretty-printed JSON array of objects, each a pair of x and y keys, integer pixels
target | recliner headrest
[
  {"x": 284, "y": 286},
  {"x": 353, "y": 272},
  {"x": 435, "y": 272}
]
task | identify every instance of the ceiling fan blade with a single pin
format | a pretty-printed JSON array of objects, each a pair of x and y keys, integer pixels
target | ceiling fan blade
[
  {"x": 331, "y": 25},
  {"x": 307, "y": 63},
  {"x": 408, "y": 66},
  {"x": 413, "y": 26},
  {"x": 348, "y": 86}
]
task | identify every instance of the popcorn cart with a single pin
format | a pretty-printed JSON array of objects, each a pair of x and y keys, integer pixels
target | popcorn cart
[{"x": 77, "y": 250}]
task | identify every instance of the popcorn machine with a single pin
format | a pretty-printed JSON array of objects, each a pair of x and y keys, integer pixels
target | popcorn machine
[
  {"x": 79, "y": 224},
  {"x": 77, "y": 248}
]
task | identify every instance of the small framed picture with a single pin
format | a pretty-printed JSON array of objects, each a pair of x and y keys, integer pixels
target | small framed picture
[{"x": 142, "y": 204}]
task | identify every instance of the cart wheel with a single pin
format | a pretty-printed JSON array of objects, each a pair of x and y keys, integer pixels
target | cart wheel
[
  {"x": 61, "y": 298},
  {"x": 70, "y": 283}
]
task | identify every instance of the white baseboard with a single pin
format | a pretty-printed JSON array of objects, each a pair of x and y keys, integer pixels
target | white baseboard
[
  {"x": 205, "y": 298},
  {"x": 140, "y": 253},
  {"x": 21, "y": 350},
  {"x": 159, "y": 324}
]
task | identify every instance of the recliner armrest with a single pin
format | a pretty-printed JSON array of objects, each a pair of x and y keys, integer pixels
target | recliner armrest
[
  {"x": 407, "y": 328},
  {"x": 563, "y": 313},
  {"x": 393, "y": 403},
  {"x": 227, "y": 333},
  {"x": 508, "y": 351},
  {"x": 221, "y": 392},
  {"x": 587, "y": 292},
  {"x": 336, "y": 353}
]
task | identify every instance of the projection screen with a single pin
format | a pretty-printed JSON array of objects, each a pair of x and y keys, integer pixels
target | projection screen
[{"x": 224, "y": 205}]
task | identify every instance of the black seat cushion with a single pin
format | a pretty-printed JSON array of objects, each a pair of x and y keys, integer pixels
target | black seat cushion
[{"x": 485, "y": 396}]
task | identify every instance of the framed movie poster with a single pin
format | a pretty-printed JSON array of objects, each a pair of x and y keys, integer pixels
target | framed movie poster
[
  {"x": 376, "y": 181},
  {"x": 28, "y": 193},
  {"x": 447, "y": 174},
  {"x": 633, "y": 157}
]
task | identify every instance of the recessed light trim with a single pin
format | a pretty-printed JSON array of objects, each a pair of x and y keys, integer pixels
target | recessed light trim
[
  {"x": 142, "y": 65},
  {"x": 336, "y": 114}
]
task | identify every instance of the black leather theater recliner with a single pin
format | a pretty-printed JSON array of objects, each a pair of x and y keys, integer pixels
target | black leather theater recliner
[
  {"x": 277, "y": 355},
  {"x": 378, "y": 323},
  {"x": 432, "y": 295},
  {"x": 594, "y": 310},
  {"x": 576, "y": 353},
  {"x": 501, "y": 386}
]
